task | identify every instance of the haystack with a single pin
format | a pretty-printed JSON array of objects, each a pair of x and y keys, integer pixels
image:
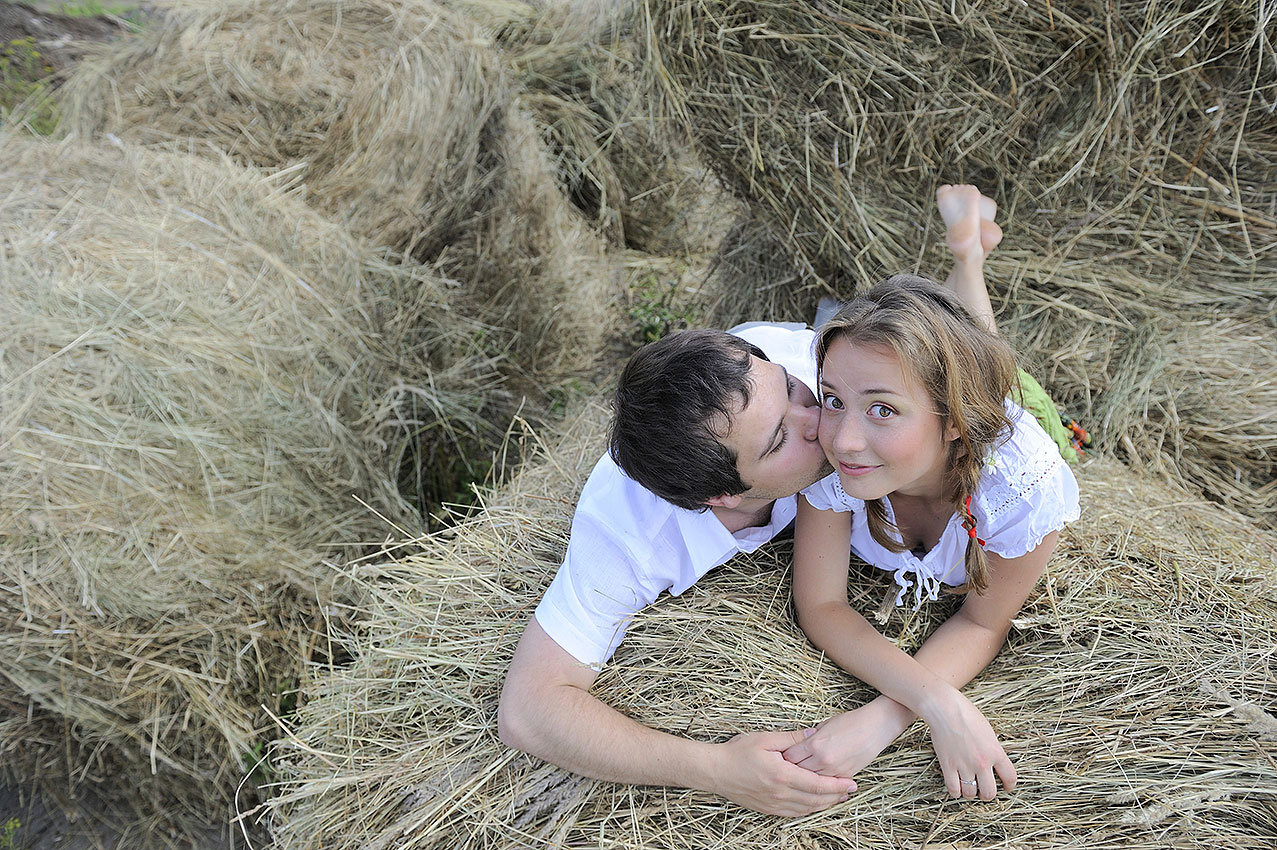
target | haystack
[
  {"x": 1132, "y": 148},
  {"x": 631, "y": 171},
  {"x": 826, "y": 116},
  {"x": 402, "y": 121},
  {"x": 1135, "y": 693},
  {"x": 200, "y": 381}
]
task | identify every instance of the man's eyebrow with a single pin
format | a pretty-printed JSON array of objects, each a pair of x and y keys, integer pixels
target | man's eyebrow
[{"x": 781, "y": 424}]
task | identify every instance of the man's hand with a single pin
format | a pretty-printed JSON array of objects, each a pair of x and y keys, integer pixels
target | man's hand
[
  {"x": 845, "y": 743},
  {"x": 753, "y": 773}
]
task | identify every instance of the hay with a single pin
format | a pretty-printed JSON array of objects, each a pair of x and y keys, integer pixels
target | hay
[
  {"x": 199, "y": 379},
  {"x": 631, "y": 172},
  {"x": 402, "y": 120},
  {"x": 821, "y": 114},
  {"x": 1134, "y": 693},
  {"x": 402, "y": 123},
  {"x": 1133, "y": 151},
  {"x": 387, "y": 107}
]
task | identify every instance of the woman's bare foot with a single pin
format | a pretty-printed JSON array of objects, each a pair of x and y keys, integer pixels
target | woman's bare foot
[{"x": 970, "y": 231}]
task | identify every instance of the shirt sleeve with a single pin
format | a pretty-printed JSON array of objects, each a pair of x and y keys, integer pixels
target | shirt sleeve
[
  {"x": 595, "y": 594},
  {"x": 1027, "y": 490}
]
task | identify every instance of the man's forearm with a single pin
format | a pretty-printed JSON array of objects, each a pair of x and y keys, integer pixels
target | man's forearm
[
  {"x": 569, "y": 727},
  {"x": 547, "y": 710}
]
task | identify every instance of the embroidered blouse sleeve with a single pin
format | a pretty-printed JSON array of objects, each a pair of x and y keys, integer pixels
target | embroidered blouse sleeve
[
  {"x": 1026, "y": 490},
  {"x": 827, "y": 495}
]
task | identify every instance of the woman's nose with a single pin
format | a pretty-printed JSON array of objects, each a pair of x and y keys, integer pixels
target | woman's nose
[{"x": 848, "y": 438}]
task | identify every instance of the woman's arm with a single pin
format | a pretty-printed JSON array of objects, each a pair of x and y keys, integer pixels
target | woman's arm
[
  {"x": 821, "y": 551},
  {"x": 956, "y": 652}
]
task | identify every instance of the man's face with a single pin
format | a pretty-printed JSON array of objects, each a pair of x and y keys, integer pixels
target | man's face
[{"x": 775, "y": 435}]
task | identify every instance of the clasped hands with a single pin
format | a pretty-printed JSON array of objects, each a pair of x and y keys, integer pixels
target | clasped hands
[{"x": 969, "y": 752}]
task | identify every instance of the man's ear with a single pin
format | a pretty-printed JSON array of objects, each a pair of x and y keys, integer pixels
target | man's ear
[{"x": 725, "y": 501}]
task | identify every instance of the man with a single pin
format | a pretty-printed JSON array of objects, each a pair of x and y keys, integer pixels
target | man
[{"x": 716, "y": 433}]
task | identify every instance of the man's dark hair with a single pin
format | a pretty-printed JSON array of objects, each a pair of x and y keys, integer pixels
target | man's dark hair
[{"x": 672, "y": 398}]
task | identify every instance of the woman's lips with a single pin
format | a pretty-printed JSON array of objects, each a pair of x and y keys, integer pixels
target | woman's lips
[{"x": 855, "y": 470}]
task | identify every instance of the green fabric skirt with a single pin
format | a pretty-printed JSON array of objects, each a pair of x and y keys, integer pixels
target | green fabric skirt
[{"x": 1030, "y": 395}]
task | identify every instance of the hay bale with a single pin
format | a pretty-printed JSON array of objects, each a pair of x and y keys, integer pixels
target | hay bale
[
  {"x": 1194, "y": 401},
  {"x": 386, "y": 107},
  {"x": 199, "y": 379},
  {"x": 1132, "y": 694},
  {"x": 822, "y": 116},
  {"x": 401, "y": 119},
  {"x": 633, "y": 174}
]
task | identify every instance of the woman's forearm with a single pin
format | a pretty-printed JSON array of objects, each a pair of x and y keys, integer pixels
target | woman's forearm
[{"x": 857, "y": 647}]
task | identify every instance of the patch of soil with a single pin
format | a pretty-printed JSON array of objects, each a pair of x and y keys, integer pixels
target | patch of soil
[
  {"x": 59, "y": 39},
  {"x": 88, "y": 823}
]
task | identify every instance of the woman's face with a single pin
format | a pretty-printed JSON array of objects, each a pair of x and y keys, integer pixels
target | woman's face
[{"x": 878, "y": 427}]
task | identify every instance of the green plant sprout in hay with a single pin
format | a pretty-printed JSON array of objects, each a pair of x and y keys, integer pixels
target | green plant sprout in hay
[
  {"x": 97, "y": 9},
  {"x": 9, "y": 834},
  {"x": 22, "y": 74},
  {"x": 653, "y": 313}
]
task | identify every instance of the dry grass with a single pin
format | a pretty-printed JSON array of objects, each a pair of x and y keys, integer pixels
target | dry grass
[
  {"x": 200, "y": 380},
  {"x": 389, "y": 109},
  {"x": 630, "y": 171},
  {"x": 1133, "y": 694},
  {"x": 821, "y": 114},
  {"x": 403, "y": 121},
  {"x": 199, "y": 369}
]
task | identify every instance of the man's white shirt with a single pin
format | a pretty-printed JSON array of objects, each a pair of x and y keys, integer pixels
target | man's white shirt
[{"x": 627, "y": 545}]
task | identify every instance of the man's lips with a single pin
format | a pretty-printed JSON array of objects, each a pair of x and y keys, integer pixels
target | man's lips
[{"x": 855, "y": 469}]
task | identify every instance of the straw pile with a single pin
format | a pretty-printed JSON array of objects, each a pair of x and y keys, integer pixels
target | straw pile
[
  {"x": 1132, "y": 148},
  {"x": 632, "y": 174},
  {"x": 1134, "y": 694},
  {"x": 199, "y": 380},
  {"x": 404, "y": 122}
]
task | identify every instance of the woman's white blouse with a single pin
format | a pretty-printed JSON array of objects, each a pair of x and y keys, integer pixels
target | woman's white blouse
[{"x": 1025, "y": 492}]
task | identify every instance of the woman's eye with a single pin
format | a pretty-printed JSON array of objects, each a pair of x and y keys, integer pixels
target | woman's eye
[
  {"x": 831, "y": 402},
  {"x": 793, "y": 385},
  {"x": 880, "y": 411}
]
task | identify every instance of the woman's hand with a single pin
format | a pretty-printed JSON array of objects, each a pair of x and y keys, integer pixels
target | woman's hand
[
  {"x": 845, "y": 743},
  {"x": 969, "y": 752}
]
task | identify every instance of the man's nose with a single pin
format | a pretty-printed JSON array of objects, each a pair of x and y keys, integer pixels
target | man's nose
[{"x": 808, "y": 421}]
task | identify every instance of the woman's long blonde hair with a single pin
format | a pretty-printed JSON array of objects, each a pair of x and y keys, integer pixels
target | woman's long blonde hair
[{"x": 966, "y": 370}]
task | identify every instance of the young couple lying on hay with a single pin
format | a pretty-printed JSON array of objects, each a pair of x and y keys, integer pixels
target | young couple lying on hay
[{"x": 889, "y": 432}]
